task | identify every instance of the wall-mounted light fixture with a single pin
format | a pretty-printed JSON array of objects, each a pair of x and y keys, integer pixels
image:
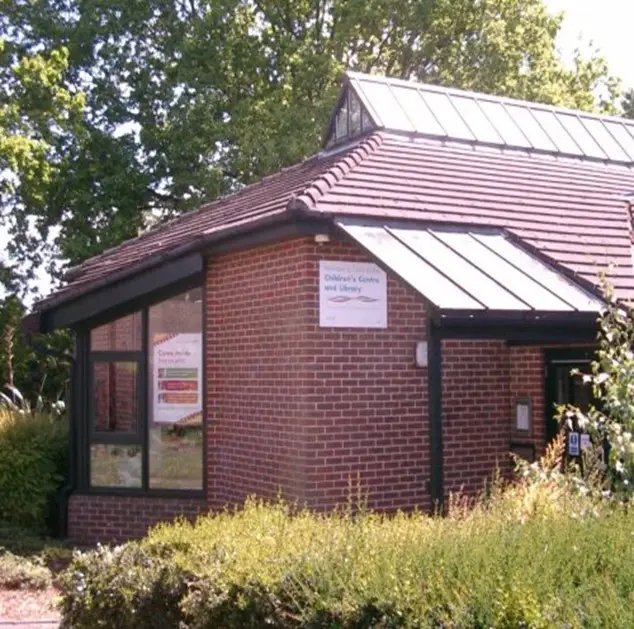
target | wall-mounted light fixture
[{"x": 421, "y": 354}]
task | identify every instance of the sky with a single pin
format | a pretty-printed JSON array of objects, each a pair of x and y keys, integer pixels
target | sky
[{"x": 608, "y": 24}]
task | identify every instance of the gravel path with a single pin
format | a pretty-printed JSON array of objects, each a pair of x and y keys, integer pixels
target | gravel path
[{"x": 28, "y": 609}]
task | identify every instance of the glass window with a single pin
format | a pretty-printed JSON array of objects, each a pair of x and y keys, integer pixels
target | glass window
[
  {"x": 366, "y": 121},
  {"x": 581, "y": 136},
  {"x": 146, "y": 381},
  {"x": 383, "y": 102},
  {"x": 504, "y": 124},
  {"x": 470, "y": 111},
  {"x": 620, "y": 134},
  {"x": 525, "y": 120},
  {"x": 417, "y": 111},
  {"x": 116, "y": 465},
  {"x": 604, "y": 139},
  {"x": 176, "y": 392},
  {"x": 446, "y": 114},
  {"x": 121, "y": 335},
  {"x": 355, "y": 114},
  {"x": 115, "y": 396},
  {"x": 556, "y": 132},
  {"x": 341, "y": 121}
]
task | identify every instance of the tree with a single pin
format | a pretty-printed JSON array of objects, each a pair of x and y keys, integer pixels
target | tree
[
  {"x": 37, "y": 115},
  {"x": 189, "y": 99},
  {"x": 610, "y": 419},
  {"x": 628, "y": 104}
]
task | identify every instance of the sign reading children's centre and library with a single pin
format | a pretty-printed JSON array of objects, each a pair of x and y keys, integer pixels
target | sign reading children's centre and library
[
  {"x": 352, "y": 295},
  {"x": 177, "y": 378}
]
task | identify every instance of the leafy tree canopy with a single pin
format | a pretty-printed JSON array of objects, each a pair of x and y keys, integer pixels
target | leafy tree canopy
[
  {"x": 188, "y": 99},
  {"x": 628, "y": 104},
  {"x": 37, "y": 115}
]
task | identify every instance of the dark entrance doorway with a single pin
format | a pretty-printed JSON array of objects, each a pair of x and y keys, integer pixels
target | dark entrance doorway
[{"x": 564, "y": 388}]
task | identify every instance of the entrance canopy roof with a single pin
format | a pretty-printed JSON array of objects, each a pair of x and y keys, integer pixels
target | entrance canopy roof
[{"x": 468, "y": 270}]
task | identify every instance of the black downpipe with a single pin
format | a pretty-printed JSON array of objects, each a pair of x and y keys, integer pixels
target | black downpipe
[
  {"x": 434, "y": 384},
  {"x": 74, "y": 405}
]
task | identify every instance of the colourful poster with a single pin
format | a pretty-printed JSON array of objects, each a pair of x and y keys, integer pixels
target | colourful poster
[{"x": 177, "y": 378}]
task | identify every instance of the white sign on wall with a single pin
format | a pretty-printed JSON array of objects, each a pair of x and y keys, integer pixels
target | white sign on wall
[
  {"x": 177, "y": 378},
  {"x": 352, "y": 295}
]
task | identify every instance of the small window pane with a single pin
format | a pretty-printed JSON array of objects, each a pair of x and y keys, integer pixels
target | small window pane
[
  {"x": 581, "y": 136},
  {"x": 355, "y": 114},
  {"x": 604, "y": 139},
  {"x": 366, "y": 121},
  {"x": 447, "y": 116},
  {"x": 121, "y": 335},
  {"x": 176, "y": 381},
  {"x": 383, "y": 102},
  {"x": 620, "y": 134},
  {"x": 475, "y": 118},
  {"x": 562, "y": 139},
  {"x": 341, "y": 121},
  {"x": 115, "y": 397},
  {"x": 417, "y": 111},
  {"x": 530, "y": 127},
  {"x": 115, "y": 466},
  {"x": 504, "y": 125}
]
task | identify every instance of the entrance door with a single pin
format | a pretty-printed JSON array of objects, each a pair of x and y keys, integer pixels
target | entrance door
[{"x": 564, "y": 388}]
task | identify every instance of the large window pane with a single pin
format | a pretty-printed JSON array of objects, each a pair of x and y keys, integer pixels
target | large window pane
[
  {"x": 175, "y": 386},
  {"x": 115, "y": 396},
  {"x": 115, "y": 466},
  {"x": 121, "y": 335}
]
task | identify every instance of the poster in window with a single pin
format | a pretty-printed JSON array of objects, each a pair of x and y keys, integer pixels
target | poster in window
[
  {"x": 352, "y": 295},
  {"x": 177, "y": 378}
]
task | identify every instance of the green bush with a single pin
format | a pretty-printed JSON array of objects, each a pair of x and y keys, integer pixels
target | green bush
[
  {"x": 33, "y": 466},
  {"x": 530, "y": 556},
  {"x": 18, "y": 573}
]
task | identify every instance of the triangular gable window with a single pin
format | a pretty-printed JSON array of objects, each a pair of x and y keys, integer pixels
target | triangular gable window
[{"x": 350, "y": 120}]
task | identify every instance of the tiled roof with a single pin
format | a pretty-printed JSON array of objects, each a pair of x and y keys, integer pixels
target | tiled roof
[
  {"x": 571, "y": 209},
  {"x": 574, "y": 212},
  {"x": 259, "y": 201}
]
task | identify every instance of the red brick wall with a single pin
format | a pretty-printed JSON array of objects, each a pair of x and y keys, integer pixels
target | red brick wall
[
  {"x": 482, "y": 380},
  {"x": 305, "y": 411},
  {"x": 255, "y": 339},
  {"x": 366, "y": 401},
  {"x": 527, "y": 381},
  {"x": 476, "y": 420},
  {"x": 116, "y": 519},
  {"x": 309, "y": 412}
]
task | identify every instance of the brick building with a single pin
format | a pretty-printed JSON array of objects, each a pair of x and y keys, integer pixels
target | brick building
[{"x": 396, "y": 313}]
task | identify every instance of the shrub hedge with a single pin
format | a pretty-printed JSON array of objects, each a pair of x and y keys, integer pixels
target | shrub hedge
[
  {"x": 33, "y": 465},
  {"x": 530, "y": 556}
]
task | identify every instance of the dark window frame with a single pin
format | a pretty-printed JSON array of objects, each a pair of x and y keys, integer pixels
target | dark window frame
[{"x": 86, "y": 436}]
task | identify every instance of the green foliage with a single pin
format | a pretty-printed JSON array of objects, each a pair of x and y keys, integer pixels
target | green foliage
[
  {"x": 188, "y": 100},
  {"x": 18, "y": 573},
  {"x": 33, "y": 465},
  {"x": 527, "y": 556},
  {"x": 628, "y": 104},
  {"x": 37, "y": 116},
  {"x": 610, "y": 422},
  {"x": 37, "y": 366}
]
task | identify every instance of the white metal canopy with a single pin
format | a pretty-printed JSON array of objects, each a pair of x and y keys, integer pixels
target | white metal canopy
[{"x": 471, "y": 270}]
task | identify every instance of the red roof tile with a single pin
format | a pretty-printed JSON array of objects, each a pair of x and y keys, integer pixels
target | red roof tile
[{"x": 572, "y": 211}]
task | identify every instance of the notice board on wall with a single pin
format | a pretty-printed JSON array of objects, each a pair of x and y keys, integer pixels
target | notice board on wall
[
  {"x": 352, "y": 295},
  {"x": 177, "y": 378}
]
